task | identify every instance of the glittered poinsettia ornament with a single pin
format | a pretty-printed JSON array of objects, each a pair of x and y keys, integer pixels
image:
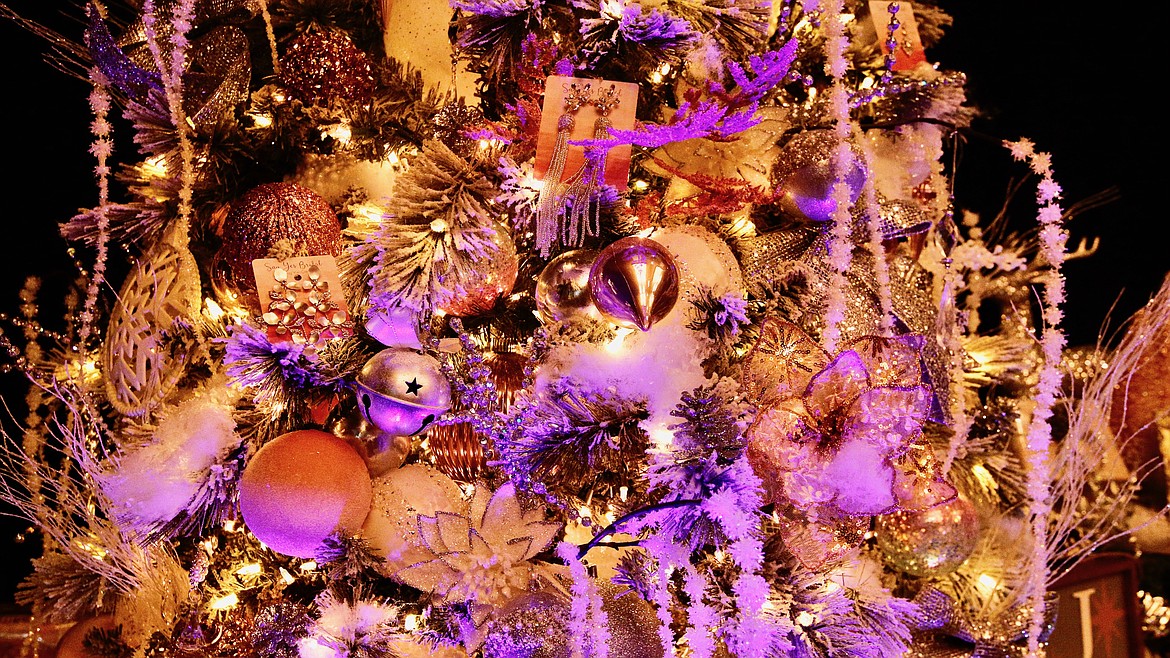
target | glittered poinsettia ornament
[
  {"x": 838, "y": 438},
  {"x": 486, "y": 557}
]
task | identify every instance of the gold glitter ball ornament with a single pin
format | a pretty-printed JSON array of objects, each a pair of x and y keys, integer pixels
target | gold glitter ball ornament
[
  {"x": 535, "y": 625},
  {"x": 930, "y": 542},
  {"x": 400, "y": 497},
  {"x": 805, "y": 174},
  {"x": 274, "y": 218}
]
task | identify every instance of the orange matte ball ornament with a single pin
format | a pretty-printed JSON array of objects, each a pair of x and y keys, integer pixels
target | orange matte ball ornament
[{"x": 301, "y": 488}]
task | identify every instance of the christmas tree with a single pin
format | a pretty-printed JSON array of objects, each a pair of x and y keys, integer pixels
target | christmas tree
[{"x": 559, "y": 329}]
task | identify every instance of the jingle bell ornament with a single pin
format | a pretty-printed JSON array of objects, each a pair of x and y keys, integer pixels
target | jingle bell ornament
[
  {"x": 400, "y": 391},
  {"x": 562, "y": 289},
  {"x": 805, "y": 174},
  {"x": 634, "y": 282}
]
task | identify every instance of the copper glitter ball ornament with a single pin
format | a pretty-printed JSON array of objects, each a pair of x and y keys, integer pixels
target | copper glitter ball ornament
[
  {"x": 292, "y": 216},
  {"x": 322, "y": 66},
  {"x": 634, "y": 282},
  {"x": 930, "y": 542},
  {"x": 457, "y": 450},
  {"x": 401, "y": 391},
  {"x": 804, "y": 174}
]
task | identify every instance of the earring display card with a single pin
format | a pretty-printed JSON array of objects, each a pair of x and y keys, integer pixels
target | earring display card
[
  {"x": 909, "y": 52},
  {"x": 617, "y": 163},
  {"x": 301, "y": 299}
]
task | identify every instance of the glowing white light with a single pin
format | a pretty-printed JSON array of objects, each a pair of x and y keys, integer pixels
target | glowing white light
[{"x": 225, "y": 602}]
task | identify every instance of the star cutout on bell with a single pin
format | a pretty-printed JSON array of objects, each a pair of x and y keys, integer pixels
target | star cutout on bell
[{"x": 413, "y": 387}]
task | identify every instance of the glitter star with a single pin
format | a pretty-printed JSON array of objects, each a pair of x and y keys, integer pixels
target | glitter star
[{"x": 413, "y": 387}]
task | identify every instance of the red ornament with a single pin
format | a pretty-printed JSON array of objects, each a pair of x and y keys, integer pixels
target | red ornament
[{"x": 319, "y": 67}]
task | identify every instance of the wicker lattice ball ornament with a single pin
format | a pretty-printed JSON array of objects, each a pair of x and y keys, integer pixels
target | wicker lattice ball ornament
[
  {"x": 147, "y": 348},
  {"x": 302, "y": 487}
]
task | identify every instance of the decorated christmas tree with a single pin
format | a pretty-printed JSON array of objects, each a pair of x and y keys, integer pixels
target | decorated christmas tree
[{"x": 562, "y": 328}]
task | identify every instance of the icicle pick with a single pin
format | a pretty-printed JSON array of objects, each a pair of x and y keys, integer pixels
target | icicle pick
[{"x": 1052, "y": 341}]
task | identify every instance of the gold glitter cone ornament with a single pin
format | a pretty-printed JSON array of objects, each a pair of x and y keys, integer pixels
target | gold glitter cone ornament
[
  {"x": 634, "y": 282},
  {"x": 536, "y": 624},
  {"x": 804, "y": 175},
  {"x": 270, "y": 219},
  {"x": 931, "y": 542},
  {"x": 400, "y": 391},
  {"x": 458, "y": 450}
]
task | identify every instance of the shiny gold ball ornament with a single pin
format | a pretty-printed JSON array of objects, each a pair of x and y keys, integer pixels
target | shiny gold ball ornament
[
  {"x": 634, "y": 282},
  {"x": 493, "y": 273},
  {"x": 72, "y": 643},
  {"x": 459, "y": 451},
  {"x": 536, "y": 625},
  {"x": 383, "y": 452},
  {"x": 400, "y": 391},
  {"x": 562, "y": 289},
  {"x": 930, "y": 542},
  {"x": 805, "y": 174},
  {"x": 302, "y": 487},
  {"x": 276, "y": 219}
]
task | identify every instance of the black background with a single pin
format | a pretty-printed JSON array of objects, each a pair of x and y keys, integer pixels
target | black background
[{"x": 1080, "y": 83}]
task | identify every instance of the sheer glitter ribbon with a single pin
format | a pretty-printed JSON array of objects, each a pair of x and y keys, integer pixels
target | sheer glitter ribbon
[
  {"x": 824, "y": 419},
  {"x": 944, "y": 631}
]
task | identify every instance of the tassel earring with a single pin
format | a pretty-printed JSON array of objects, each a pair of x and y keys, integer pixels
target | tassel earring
[
  {"x": 579, "y": 201},
  {"x": 549, "y": 207}
]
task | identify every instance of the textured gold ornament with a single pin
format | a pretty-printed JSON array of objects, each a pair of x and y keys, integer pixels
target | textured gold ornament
[
  {"x": 930, "y": 542},
  {"x": 147, "y": 351}
]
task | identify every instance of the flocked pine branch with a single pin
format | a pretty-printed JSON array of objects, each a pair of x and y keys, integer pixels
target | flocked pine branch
[{"x": 438, "y": 233}]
